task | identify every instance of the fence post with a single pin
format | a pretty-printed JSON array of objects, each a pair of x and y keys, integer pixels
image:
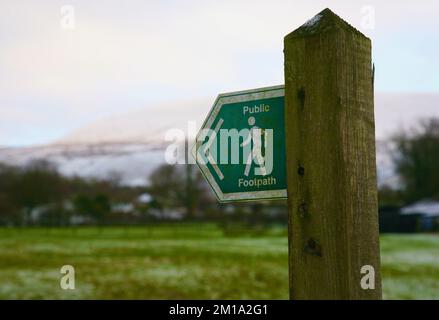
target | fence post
[{"x": 331, "y": 169}]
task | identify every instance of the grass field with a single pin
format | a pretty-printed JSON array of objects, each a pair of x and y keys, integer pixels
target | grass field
[{"x": 182, "y": 262}]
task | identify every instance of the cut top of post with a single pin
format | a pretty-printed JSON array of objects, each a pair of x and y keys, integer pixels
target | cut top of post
[{"x": 322, "y": 22}]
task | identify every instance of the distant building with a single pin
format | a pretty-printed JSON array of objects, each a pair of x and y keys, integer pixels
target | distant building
[
  {"x": 144, "y": 198},
  {"x": 427, "y": 212},
  {"x": 391, "y": 221},
  {"x": 123, "y": 207},
  {"x": 422, "y": 216}
]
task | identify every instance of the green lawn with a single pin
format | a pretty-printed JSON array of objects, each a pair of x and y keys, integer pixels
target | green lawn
[{"x": 182, "y": 262}]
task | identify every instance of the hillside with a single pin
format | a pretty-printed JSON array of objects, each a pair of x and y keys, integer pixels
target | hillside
[{"x": 132, "y": 144}]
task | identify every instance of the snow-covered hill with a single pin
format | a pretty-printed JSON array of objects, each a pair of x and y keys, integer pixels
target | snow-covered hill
[
  {"x": 132, "y": 144},
  {"x": 131, "y": 162},
  {"x": 148, "y": 125}
]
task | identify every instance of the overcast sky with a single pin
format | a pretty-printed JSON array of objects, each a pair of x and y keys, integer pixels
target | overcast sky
[{"x": 125, "y": 55}]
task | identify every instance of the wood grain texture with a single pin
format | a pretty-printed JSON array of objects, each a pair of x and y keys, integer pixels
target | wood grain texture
[{"x": 331, "y": 169}]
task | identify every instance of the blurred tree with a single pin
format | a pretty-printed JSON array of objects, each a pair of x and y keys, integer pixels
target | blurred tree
[
  {"x": 388, "y": 196},
  {"x": 38, "y": 184},
  {"x": 96, "y": 207},
  {"x": 417, "y": 161},
  {"x": 82, "y": 204},
  {"x": 174, "y": 186},
  {"x": 167, "y": 186},
  {"x": 9, "y": 211},
  {"x": 101, "y": 207}
]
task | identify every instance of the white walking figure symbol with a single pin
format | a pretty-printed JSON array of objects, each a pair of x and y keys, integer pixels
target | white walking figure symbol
[{"x": 255, "y": 155}]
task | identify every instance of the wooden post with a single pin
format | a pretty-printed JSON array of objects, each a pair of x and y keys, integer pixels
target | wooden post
[{"x": 331, "y": 169}]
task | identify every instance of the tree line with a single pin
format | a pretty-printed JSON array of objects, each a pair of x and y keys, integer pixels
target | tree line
[
  {"x": 415, "y": 156},
  {"x": 37, "y": 194}
]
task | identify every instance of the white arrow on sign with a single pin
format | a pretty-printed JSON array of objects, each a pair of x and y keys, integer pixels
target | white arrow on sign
[{"x": 208, "y": 155}]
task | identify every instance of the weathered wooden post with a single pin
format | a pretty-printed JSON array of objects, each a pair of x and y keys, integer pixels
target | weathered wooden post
[{"x": 331, "y": 170}]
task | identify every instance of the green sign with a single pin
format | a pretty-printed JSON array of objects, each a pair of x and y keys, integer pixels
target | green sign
[{"x": 240, "y": 148}]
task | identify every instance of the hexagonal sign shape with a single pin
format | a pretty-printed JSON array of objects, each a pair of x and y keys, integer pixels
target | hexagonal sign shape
[{"x": 240, "y": 149}]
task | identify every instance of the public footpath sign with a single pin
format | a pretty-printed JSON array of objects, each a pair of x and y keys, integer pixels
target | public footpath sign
[
  {"x": 240, "y": 148},
  {"x": 315, "y": 135}
]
